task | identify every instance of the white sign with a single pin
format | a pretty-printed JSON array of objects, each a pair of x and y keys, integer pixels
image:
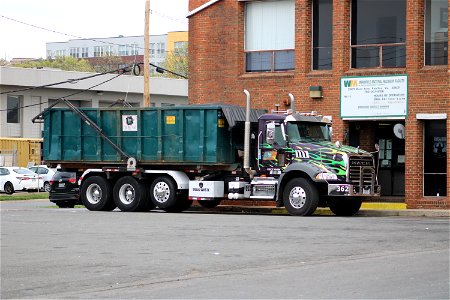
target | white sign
[
  {"x": 374, "y": 97},
  {"x": 129, "y": 123}
]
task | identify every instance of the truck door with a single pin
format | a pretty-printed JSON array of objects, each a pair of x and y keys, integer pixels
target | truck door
[{"x": 271, "y": 157}]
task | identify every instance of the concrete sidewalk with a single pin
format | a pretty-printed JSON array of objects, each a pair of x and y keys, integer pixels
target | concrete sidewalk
[{"x": 372, "y": 209}]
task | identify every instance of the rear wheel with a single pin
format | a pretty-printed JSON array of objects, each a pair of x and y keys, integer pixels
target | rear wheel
[
  {"x": 47, "y": 187},
  {"x": 209, "y": 203},
  {"x": 344, "y": 206},
  {"x": 130, "y": 194},
  {"x": 9, "y": 188},
  {"x": 300, "y": 197},
  {"x": 96, "y": 194}
]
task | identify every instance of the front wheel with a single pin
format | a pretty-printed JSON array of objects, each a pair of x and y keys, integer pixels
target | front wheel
[
  {"x": 164, "y": 195},
  {"x": 96, "y": 194},
  {"x": 300, "y": 197},
  {"x": 344, "y": 206}
]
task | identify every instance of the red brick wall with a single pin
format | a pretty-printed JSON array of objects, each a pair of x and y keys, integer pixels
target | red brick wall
[{"x": 216, "y": 74}]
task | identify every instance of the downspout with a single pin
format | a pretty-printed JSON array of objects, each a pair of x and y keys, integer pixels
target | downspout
[{"x": 247, "y": 167}]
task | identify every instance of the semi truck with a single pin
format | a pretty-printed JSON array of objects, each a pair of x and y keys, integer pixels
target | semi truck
[{"x": 137, "y": 159}]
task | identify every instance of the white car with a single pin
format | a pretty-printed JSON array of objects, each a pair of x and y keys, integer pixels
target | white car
[
  {"x": 18, "y": 179},
  {"x": 46, "y": 173}
]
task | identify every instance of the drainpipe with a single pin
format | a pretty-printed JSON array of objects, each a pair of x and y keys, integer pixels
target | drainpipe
[{"x": 247, "y": 138}]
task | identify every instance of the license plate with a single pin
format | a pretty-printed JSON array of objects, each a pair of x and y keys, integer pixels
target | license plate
[{"x": 61, "y": 185}]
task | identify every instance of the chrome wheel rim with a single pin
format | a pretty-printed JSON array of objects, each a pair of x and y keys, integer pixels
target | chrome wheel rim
[
  {"x": 297, "y": 197},
  {"x": 94, "y": 193},
  {"x": 127, "y": 194},
  {"x": 161, "y": 192}
]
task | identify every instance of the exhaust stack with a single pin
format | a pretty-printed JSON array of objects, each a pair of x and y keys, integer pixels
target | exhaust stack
[
  {"x": 292, "y": 102},
  {"x": 247, "y": 137}
]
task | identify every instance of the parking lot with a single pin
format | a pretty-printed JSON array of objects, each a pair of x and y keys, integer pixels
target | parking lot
[{"x": 48, "y": 252}]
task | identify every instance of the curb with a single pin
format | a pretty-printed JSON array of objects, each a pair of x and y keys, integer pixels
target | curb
[{"x": 364, "y": 212}]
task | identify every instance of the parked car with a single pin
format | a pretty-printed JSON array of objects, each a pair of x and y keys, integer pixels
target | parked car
[
  {"x": 46, "y": 173},
  {"x": 64, "y": 190},
  {"x": 19, "y": 179}
]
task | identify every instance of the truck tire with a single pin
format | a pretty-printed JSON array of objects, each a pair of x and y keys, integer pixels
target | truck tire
[
  {"x": 163, "y": 194},
  {"x": 345, "y": 206},
  {"x": 130, "y": 195},
  {"x": 96, "y": 194},
  {"x": 300, "y": 197},
  {"x": 209, "y": 203}
]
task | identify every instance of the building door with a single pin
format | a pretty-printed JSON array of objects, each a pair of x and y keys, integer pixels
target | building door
[{"x": 390, "y": 136}]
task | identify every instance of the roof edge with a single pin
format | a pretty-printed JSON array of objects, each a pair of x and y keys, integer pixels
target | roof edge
[{"x": 201, "y": 7}]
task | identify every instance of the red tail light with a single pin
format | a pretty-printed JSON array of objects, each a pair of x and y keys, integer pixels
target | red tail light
[
  {"x": 52, "y": 182},
  {"x": 72, "y": 180}
]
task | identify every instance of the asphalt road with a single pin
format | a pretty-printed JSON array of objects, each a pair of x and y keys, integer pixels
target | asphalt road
[{"x": 74, "y": 253}]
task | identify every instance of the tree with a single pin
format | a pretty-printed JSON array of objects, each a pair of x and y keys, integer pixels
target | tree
[
  {"x": 3, "y": 62},
  {"x": 66, "y": 63},
  {"x": 105, "y": 63},
  {"x": 177, "y": 62}
]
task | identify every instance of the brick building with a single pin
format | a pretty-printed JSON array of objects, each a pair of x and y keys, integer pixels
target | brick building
[{"x": 379, "y": 68}]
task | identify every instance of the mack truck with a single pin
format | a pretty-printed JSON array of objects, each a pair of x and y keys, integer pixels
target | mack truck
[{"x": 139, "y": 159}]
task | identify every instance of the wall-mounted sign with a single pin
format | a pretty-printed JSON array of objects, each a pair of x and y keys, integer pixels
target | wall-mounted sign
[
  {"x": 374, "y": 97},
  {"x": 129, "y": 123},
  {"x": 170, "y": 120}
]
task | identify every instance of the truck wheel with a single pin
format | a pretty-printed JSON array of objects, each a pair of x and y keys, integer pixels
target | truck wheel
[
  {"x": 163, "y": 193},
  {"x": 130, "y": 194},
  {"x": 8, "y": 188},
  {"x": 300, "y": 197},
  {"x": 344, "y": 206},
  {"x": 209, "y": 203},
  {"x": 96, "y": 194}
]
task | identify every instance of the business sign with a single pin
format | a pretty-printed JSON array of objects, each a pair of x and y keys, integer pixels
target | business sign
[
  {"x": 374, "y": 97},
  {"x": 129, "y": 123}
]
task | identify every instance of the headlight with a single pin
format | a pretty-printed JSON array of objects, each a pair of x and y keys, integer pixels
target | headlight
[{"x": 326, "y": 176}]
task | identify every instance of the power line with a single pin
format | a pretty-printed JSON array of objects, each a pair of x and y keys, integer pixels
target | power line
[
  {"x": 83, "y": 38},
  {"x": 73, "y": 94},
  {"x": 76, "y": 80}
]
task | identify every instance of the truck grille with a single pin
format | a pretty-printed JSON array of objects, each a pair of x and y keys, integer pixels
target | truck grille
[{"x": 361, "y": 170}]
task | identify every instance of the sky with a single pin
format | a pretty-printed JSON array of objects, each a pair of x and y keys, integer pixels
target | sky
[{"x": 83, "y": 18}]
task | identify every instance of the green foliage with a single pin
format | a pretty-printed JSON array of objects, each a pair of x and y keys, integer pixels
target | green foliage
[
  {"x": 66, "y": 63},
  {"x": 24, "y": 196},
  {"x": 177, "y": 62},
  {"x": 3, "y": 62}
]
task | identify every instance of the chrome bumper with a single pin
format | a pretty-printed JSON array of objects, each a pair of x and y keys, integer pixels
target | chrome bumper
[{"x": 353, "y": 190}]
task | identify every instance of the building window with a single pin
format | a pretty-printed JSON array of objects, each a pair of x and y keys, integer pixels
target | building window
[
  {"x": 13, "y": 109},
  {"x": 435, "y": 158},
  {"x": 74, "y": 52},
  {"x": 108, "y": 50},
  {"x": 60, "y": 53},
  {"x": 134, "y": 49},
  {"x": 378, "y": 33},
  {"x": 98, "y": 51},
  {"x": 123, "y": 51},
  {"x": 269, "y": 36},
  {"x": 84, "y": 52},
  {"x": 436, "y": 32},
  {"x": 180, "y": 47},
  {"x": 49, "y": 54},
  {"x": 322, "y": 34}
]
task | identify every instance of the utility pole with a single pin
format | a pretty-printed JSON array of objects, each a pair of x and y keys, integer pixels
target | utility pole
[{"x": 147, "y": 55}]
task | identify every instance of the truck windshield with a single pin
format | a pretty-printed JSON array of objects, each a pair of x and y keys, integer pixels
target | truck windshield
[{"x": 306, "y": 131}]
